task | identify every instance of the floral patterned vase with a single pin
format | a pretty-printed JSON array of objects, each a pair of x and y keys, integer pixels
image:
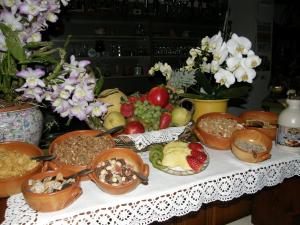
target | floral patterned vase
[{"x": 21, "y": 123}]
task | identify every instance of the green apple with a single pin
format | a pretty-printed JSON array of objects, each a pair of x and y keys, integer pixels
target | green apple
[
  {"x": 180, "y": 116},
  {"x": 114, "y": 119}
]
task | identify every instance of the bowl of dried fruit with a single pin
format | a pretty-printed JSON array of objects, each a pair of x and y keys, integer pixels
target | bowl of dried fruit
[
  {"x": 119, "y": 170},
  {"x": 215, "y": 129},
  {"x": 76, "y": 150},
  {"x": 265, "y": 122},
  {"x": 251, "y": 145},
  {"x": 51, "y": 190},
  {"x": 16, "y": 165}
]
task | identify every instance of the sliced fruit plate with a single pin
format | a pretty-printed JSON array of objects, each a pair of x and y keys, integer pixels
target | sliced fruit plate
[{"x": 179, "y": 158}]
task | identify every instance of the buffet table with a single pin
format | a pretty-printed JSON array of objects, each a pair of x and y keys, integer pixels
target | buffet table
[{"x": 166, "y": 196}]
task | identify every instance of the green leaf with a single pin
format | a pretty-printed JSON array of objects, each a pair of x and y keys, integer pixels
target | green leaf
[
  {"x": 203, "y": 82},
  {"x": 234, "y": 92},
  {"x": 13, "y": 43},
  {"x": 99, "y": 83}
]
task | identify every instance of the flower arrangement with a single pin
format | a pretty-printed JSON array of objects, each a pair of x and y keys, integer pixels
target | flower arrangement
[
  {"x": 218, "y": 69},
  {"x": 36, "y": 71}
]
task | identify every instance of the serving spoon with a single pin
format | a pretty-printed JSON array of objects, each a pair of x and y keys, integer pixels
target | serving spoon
[
  {"x": 111, "y": 131},
  {"x": 43, "y": 157}
]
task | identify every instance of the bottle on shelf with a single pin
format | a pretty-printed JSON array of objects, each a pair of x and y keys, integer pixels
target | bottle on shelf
[{"x": 288, "y": 133}]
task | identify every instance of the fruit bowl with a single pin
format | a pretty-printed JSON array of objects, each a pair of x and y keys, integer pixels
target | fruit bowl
[
  {"x": 265, "y": 122},
  {"x": 179, "y": 158},
  {"x": 131, "y": 160},
  {"x": 76, "y": 149},
  {"x": 12, "y": 184},
  {"x": 57, "y": 200},
  {"x": 251, "y": 145},
  {"x": 215, "y": 129}
]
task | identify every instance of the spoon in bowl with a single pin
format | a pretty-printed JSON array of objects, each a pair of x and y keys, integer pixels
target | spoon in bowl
[{"x": 111, "y": 131}]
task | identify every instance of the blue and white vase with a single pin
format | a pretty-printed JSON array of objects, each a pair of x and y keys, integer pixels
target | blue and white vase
[{"x": 21, "y": 123}]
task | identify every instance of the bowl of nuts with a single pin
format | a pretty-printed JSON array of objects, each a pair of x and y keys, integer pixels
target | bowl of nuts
[
  {"x": 51, "y": 190},
  {"x": 118, "y": 170},
  {"x": 16, "y": 165},
  {"x": 251, "y": 145},
  {"x": 215, "y": 129},
  {"x": 76, "y": 150},
  {"x": 265, "y": 122}
]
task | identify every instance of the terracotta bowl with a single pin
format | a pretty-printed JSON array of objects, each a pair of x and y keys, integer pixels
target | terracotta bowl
[
  {"x": 60, "y": 139},
  {"x": 213, "y": 140},
  {"x": 261, "y": 116},
  {"x": 47, "y": 202},
  {"x": 254, "y": 138},
  {"x": 12, "y": 185},
  {"x": 131, "y": 157}
]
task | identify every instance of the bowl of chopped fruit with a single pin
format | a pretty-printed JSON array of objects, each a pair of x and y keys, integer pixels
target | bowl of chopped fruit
[
  {"x": 75, "y": 150},
  {"x": 215, "y": 129},
  {"x": 119, "y": 170},
  {"x": 16, "y": 165},
  {"x": 51, "y": 190},
  {"x": 251, "y": 145}
]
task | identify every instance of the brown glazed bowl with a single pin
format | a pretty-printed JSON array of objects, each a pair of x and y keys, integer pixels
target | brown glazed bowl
[
  {"x": 47, "y": 202},
  {"x": 60, "y": 139},
  {"x": 131, "y": 158},
  {"x": 212, "y": 140},
  {"x": 252, "y": 137},
  {"x": 269, "y": 119},
  {"x": 12, "y": 185}
]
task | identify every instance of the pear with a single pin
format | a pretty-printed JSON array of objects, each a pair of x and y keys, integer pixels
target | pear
[
  {"x": 180, "y": 116},
  {"x": 114, "y": 119}
]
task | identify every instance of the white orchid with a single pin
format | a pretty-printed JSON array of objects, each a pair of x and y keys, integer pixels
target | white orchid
[
  {"x": 215, "y": 42},
  {"x": 224, "y": 77},
  {"x": 238, "y": 45},
  {"x": 220, "y": 54},
  {"x": 244, "y": 73}
]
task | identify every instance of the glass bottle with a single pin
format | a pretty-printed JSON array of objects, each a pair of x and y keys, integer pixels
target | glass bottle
[{"x": 288, "y": 133}]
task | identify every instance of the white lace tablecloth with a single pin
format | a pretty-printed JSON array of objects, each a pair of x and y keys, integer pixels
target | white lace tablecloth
[{"x": 166, "y": 195}]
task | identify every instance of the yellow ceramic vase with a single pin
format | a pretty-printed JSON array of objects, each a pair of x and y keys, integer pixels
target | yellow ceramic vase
[{"x": 206, "y": 106}]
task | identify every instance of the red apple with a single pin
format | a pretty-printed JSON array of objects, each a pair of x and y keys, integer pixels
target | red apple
[
  {"x": 158, "y": 96},
  {"x": 134, "y": 127}
]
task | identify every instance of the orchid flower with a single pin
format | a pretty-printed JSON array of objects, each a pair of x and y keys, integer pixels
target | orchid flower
[{"x": 224, "y": 77}]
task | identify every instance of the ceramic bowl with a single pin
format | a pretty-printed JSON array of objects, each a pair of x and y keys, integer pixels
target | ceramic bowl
[
  {"x": 212, "y": 140},
  {"x": 47, "y": 202},
  {"x": 131, "y": 158},
  {"x": 60, "y": 139},
  {"x": 270, "y": 118},
  {"x": 12, "y": 185},
  {"x": 251, "y": 145}
]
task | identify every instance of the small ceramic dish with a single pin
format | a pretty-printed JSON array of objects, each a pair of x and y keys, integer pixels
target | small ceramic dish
[
  {"x": 265, "y": 122},
  {"x": 12, "y": 185},
  {"x": 131, "y": 158},
  {"x": 48, "y": 202},
  {"x": 61, "y": 139},
  {"x": 214, "y": 129},
  {"x": 251, "y": 145}
]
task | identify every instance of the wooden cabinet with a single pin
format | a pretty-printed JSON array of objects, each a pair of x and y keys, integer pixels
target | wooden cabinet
[{"x": 128, "y": 45}]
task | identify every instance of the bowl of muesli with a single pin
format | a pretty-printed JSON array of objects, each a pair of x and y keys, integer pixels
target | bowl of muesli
[
  {"x": 51, "y": 190},
  {"x": 118, "y": 170},
  {"x": 76, "y": 150},
  {"x": 251, "y": 145},
  {"x": 215, "y": 129}
]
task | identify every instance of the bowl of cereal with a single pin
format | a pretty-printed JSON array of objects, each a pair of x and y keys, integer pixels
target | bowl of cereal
[
  {"x": 265, "y": 122},
  {"x": 251, "y": 145},
  {"x": 118, "y": 170},
  {"x": 16, "y": 165},
  {"x": 51, "y": 190},
  {"x": 215, "y": 129},
  {"x": 76, "y": 150}
]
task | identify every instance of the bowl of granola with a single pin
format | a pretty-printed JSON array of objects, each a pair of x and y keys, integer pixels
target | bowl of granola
[
  {"x": 118, "y": 170},
  {"x": 251, "y": 145},
  {"x": 76, "y": 150},
  {"x": 215, "y": 129}
]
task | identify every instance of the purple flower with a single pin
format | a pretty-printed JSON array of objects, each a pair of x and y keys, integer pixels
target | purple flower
[{"x": 32, "y": 77}]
